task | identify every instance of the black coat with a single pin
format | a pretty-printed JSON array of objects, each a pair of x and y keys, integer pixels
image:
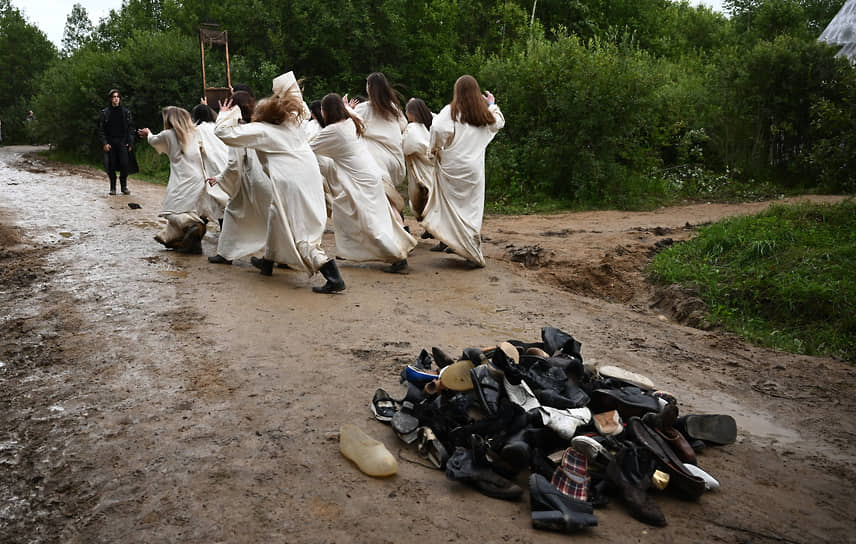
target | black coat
[{"x": 129, "y": 134}]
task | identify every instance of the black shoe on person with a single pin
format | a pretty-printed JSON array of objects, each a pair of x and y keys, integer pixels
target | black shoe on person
[
  {"x": 439, "y": 247},
  {"x": 335, "y": 283},
  {"x": 396, "y": 267},
  {"x": 265, "y": 266},
  {"x": 219, "y": 259}
]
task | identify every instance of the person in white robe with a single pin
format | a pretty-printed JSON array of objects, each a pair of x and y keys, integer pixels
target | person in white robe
[
  {"x": 297, "y": 216},
  {"x": 460, "y": 135},
  {"x": 417, "y": 155},
  {"x": 184, "y": 227},
  {"x": 214, "y": 155},
  {"x": 313, "y": 125},
  {"x": 363, "y": 219},
  {"x": 384, "y": 125},
  {"x": 244, "y": 228}
]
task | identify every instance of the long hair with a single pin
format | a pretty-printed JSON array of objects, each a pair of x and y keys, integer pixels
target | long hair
[
  {"x": 419, "y": 109},
  {"x": 247, "y": 102},
  {"x": 334, "y": 111},
  {"x": 468, "y": 105},
  {"x": 315, "y": 108},
  {"x": 279, "y": 109},
  {"x": 179, "y": 120},
  {"x": 202, "y": 113},
  {"x": 382, "y": 98}
]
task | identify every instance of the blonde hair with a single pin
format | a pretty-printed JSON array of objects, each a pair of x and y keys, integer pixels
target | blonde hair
[
  {"x": 179, "y": 120},
  {"x": 279, "y": 109}
]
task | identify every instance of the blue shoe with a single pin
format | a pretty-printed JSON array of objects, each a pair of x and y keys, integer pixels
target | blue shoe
[{"x": 418, "y": 376}]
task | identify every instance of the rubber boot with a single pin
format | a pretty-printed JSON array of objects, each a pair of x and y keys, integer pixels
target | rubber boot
[
  {"x": 335, "y": 283},
  {"x": 113, "y": 184},
  {"x": 124, "y": 184},
  {"x": 552, "y": 510}
]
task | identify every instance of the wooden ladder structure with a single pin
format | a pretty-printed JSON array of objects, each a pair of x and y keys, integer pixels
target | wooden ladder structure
[{"x": 211, "y": 35}]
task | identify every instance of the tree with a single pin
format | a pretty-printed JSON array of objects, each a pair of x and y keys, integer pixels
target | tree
[
  {"x": 78, "y": 30},
  {"x": 25, "y": 52}
]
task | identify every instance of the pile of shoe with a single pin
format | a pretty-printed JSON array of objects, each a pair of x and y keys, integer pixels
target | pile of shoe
[{"x": 584, "y": 434}]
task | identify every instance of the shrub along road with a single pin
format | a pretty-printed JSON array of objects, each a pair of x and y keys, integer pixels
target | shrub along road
[{"x": 151, "y": 396}]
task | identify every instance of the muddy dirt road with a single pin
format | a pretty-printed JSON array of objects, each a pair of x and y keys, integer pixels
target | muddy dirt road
[{"x": 148, "y": 396}]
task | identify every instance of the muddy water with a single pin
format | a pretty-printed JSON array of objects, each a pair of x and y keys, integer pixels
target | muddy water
[{"x": 151, "y": 396}]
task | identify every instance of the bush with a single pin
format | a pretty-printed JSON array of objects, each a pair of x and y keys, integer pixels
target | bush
[
  {"x": 152, "y": 71},
  {"x": 585, "y": 122}
]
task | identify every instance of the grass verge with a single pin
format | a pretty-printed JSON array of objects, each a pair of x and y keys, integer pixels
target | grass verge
[{"x": 785, "y": 278}]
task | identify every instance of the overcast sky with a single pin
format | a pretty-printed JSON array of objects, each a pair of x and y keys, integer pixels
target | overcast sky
[{"x": 50, "y": 15}]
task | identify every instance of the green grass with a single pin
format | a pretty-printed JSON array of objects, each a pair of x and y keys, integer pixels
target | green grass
[
  {"x": 785, "y": 278},
  {"x": 154, "y": 167}
]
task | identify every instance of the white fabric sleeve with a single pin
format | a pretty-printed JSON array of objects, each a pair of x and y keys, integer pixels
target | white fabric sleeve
[
  {"x": 500, "y": 119},
  {"x": 235, "y": 135},
  {"x": 442, "y": 130},
  {"x": 414, "y": 139},
  {"x": 158, "y": 142}
]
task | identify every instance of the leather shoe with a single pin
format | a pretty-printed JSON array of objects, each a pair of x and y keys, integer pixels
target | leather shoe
[
  {"x": 663, "y": 423},
  {"x": 219, "y": 259},
  {"x": 461, "y": 467},
  {"x": 713, "y": 428},
  {"x": 637, "y": 500},
  {"x": 486, "y": 387},
  {"x": 680, "y": 478}
]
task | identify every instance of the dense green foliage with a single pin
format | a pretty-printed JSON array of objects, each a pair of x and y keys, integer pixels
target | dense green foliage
[
  {"x": 25, "y": 53},
  {"x": 783, "y": 278},
  {"x": 619, "y": 103}
]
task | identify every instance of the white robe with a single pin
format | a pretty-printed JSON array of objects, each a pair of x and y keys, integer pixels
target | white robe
[
  {"x": 420, "y": 166},
  {"x": 362, "y": 216},
  {"x": 214, "y": 156},
  {"x": 311, "y": 128},
  {"x": 186, "y": 181},
  {"x": 383, "y": 139},
  {"x": 244, "y": 229},
  {"x": 455, "y": 207},
  {"x": 297, "y": 215}
]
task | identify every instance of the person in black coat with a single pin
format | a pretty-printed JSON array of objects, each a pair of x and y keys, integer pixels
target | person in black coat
[{"x": 116, "y": 134}]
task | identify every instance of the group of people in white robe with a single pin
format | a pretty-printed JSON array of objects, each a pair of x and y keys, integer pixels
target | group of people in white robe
[{"x": 273, "y": 171}]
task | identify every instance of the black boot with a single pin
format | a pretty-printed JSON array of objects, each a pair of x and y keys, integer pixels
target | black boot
[
  {"x": 124, "y": 185},
  {"x": 192, "y": 240},
  {"x": 265, "y": 266},
  {"x": 334, "y": 283},
  {"x": 552, "y": 510},
  {"x": 113, "y": 184}
]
